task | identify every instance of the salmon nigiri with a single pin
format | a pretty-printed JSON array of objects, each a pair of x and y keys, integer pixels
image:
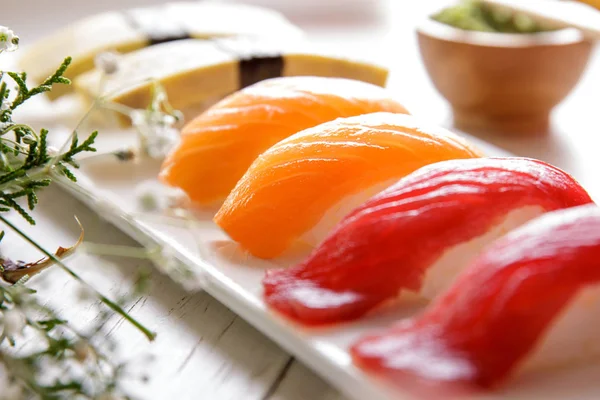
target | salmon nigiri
[
  {"x": 309, "y": 181},
  {"x": 219, "y": 145},
  {"x": 418, "y": 235},
  {"x": 529, "y": 302}
]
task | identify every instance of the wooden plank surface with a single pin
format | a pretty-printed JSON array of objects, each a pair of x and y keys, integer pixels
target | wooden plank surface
[{"x": 203, "y": 350}]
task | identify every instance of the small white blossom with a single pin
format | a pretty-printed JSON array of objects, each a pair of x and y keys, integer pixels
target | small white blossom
[
  {"x": 4, "y": 104},
  {"x": 22, "y": 296},
  {"x": 149, "y": 198},
  {"x": 13, "y": 322},
  {"x": 157, "y": 132},
  {"x": 168, "y": 259},
  {"x": 149, "y": 201},
  {"x": 160, "y": 145},
  {"x": 107, "y": 62},
  {"x": 52, "y": 151},
  {"x": 181, "y": 213},
  {"x": 152, "y": 196},
  {"x": 8, "y": 40},
  {"x": 83, "y": 350}
]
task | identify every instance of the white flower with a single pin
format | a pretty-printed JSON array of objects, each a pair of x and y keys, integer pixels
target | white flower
[
  {"x": 167, "y": 259},
  {"x": 107, "y": 62},
  {"x": 161, "y": 144},
  {"x": 153, "y": 196},
  {"x": 82, "y": 350},
  {"x": 52, "y": 151},
  {"x": 8, "y": 40},
  {"x": 157, "y": 133},
  {"x": 148, "y": 199},
  {"x": 13, "y": 322},
  {"x": 4, "y": 104}
]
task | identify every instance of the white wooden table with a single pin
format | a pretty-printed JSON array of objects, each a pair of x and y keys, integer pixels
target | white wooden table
[{"x": 203, "y": 350}]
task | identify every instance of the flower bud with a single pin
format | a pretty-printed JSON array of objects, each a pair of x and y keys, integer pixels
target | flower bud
[
  {"x": 107, "y": 62},
  {"x": 82, "y": 350}
]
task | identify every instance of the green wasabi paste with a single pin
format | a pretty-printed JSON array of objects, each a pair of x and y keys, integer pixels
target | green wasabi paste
[{"x": 472, "y": 15}]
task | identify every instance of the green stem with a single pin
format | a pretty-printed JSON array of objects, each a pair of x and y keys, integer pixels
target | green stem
[
  {"x": 34, "y": 174},
  {"x": 67, "y": 142},
  {"x": 120, "y": 108},
  {"x": 109, "y": 303},
  {"x": 17, "y": 126},
  {"x": 120, "y": 251},
  {"x": 37, "y": 174},
  {"x": 20, "y": 146}
]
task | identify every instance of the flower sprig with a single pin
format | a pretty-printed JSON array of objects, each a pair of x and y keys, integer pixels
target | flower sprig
[
  {"x": 27, "y": 163},
  {"x": 25, "y": 93},
  {"x": 67, "y": 363}
]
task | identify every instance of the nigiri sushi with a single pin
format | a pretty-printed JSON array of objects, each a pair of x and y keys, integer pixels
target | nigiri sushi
[
  {"x": 529, "y": 302},
  {"x": 299, "y": 188},
  {"x": 219, "y": 145},
  {"x": 418, "y": 235}
]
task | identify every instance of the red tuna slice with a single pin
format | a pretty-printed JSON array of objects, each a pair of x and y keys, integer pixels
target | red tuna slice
[
  {"x": 507, "y": 304},
  {"x": 391, "y": 242}
]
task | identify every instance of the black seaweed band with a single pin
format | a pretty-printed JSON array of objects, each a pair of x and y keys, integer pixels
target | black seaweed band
[
  {"x": 256, "y": 61},
  {"x": 156, "y": 26}
]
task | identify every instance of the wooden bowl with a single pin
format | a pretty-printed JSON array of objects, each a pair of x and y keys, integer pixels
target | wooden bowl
[{"x": 502, "y": 83}]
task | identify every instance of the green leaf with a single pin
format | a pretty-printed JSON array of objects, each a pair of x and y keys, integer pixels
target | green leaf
[
  {"x": 13, "y": 204},
  {"x": 25, "y": 93},
  {"x": 31, "y": 156},
  {"x": 58, "y": 77},
  {"x": 32, "y": 200},
  {"x": 50, "y": 324},
  {"x": 67, "y": 172},
  {"x": 11, "y": 176},
  {"x": 87, "y": 144},
  {"x": 43, "y": 150},
  {"x": 74, "y": 142}
]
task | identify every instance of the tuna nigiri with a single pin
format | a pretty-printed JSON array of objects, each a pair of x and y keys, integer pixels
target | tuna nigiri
[
  {"x": 530, "y": 301},
  {"x": 418, "y": 235},
  {"x": 219, "y": 145},
  {"x": 309, "y": 181}
]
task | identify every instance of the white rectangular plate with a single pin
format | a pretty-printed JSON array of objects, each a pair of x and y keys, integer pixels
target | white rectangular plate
[{"x": 208, "y": 261}]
